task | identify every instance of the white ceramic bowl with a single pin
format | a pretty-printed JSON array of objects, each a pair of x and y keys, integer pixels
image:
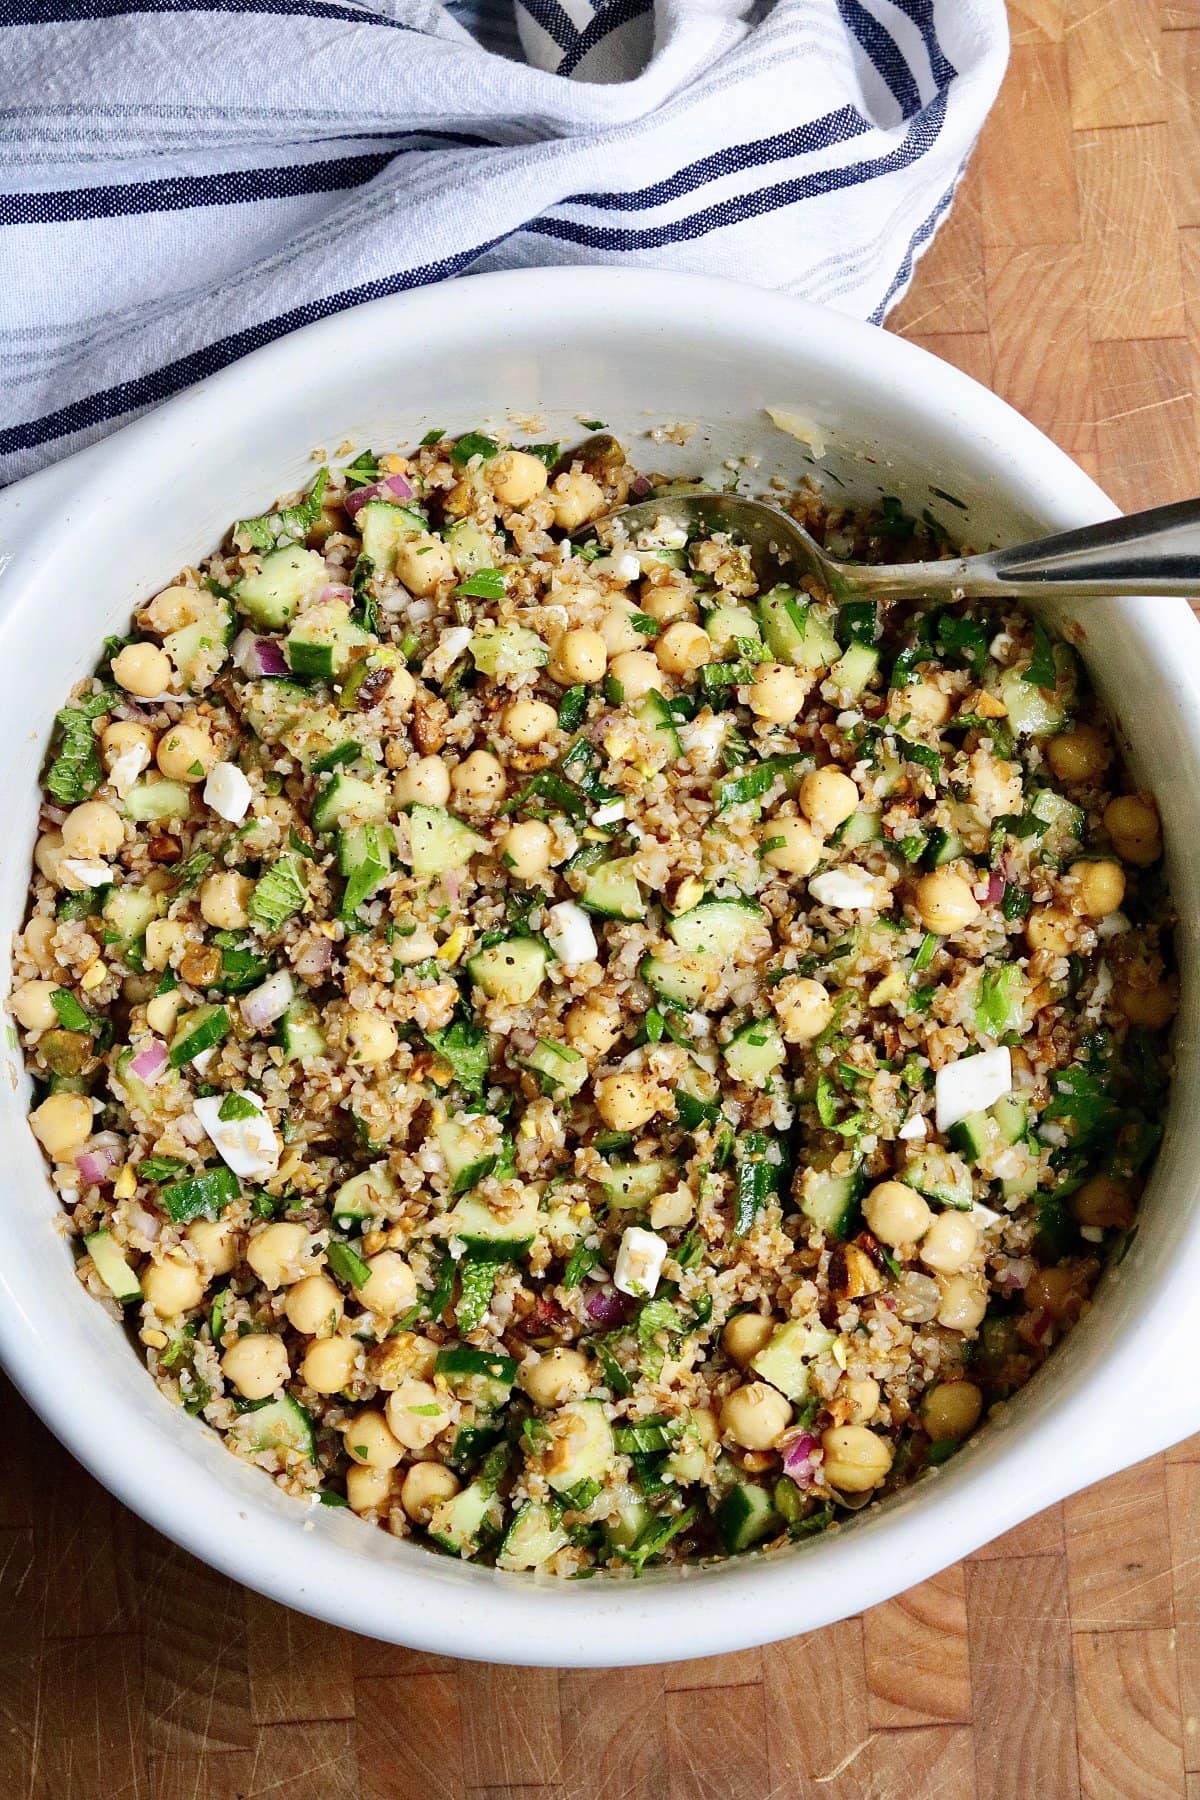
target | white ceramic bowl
[{"x": 83, "y": 542}]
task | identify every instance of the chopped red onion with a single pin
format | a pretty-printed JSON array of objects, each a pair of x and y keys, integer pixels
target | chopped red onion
[
  {"x": 392, "y": 487},
  {"x": 255, "y": 655},
  {"x": 640, "y": 486},
  {"x": 800, "y": 1458},
  {"x": 269, "y": 1001},
  {"x": 452, "y": 882},
  {"x": 315, "y": 958},
  {"x": 995, "y": 888},
  {"x": 150, "y": 1061},
  {"x": 336, "y": 590},
  {"x": 98, "y": 1159},
  {"x": 605, "y": 1307}
]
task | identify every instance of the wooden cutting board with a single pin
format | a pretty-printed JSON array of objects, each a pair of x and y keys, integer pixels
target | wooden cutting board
[{"x": 1062, "y": 1660}]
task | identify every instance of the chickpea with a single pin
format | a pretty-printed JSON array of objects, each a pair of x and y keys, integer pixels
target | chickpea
[
  {"x": 256, "y": 1365},
  {"x": 371, "y": 1038},
  {"x": 225, "y": 900},
  {"x": 951, "y": 1409},
  {"x": 1106, "y": 1202},
  {"x": 402, "y": 1355},
  {"x": 591, "y": 1029},
  {"x": 423, "y": 782},
  {"x": 1050, "y": 930},
  {"x": 577, "y": 498},
  {"x": 329, "y": 1364},
  {"x": 863, "y": 1399},
  {"x": 578, "y": 657},
  {"x": 38, "y": 943},
  {"x": 636, "y": 673},
  {"x": 278, "y": 1253},
  {"x": 896, "y": 1214},
  {"x": 945, "y": 902},
  {"x": 558, "y": 1376},
  {"x": 668, "y": 603},
  {"x": 94, "y": 829},
  {"x": 804, "y": 1008},
  {"x": 185, "y": 753},
  {"x": 172, "y": 1286},
  {"x": 123, "y": 735},
  {"x": 1060, "y": 1291},
  {"x": 215, "y": 1242},
  {"x": 32, "y": 1006},
  {"x": 778, "y": 693},
  {"x": 949, "y": 1244},
  {"x": 163, "y": 1011},
  {"x": 427, "y": 1485},
  {"x": 478, "y": 782},
  {"x": 683, "y": 648},
  {"x": 391, "y": 1287},
  {"x": 401, "y": 689},
  {"x": 529, "y": 722},
  {"x": 618, "y": 630},
  {"x": 61, "y": 1124},
  {"x": 962, "y": 1305},
  {"x": 417, "y": 947},
  {"x": 423, "y": 563},
  {"x": 1078, "y": 754},
  {"x": 416, "y": 1413},
  {"x": 516, "y": 478},
  {"x": 626, "y": 1101},
  {"x": 142, "y": 669},
  {"x": 527, "y": 849},
  {"x": 314, "y": 1306},
  {"x": 1131, "y": 821},
  {"x": 1152, "y": 1006},
  {"x": 673, "y": 1210},
  {"x": 369, "y": 1440},
  {"x": 856, "y": 1459},
  {"x": 755, "y": 1416},
  {"x": 174, "y": 608},
  {"x": 48, "y": 854},
  {"x": 790, "y": 844},
  {"x": 367, "y": 1490},
  {"x": 924, "y": 703},
  {"x": 1099, "y": 887},
  {"x": 162, "y": 937},
  {"x": 827, "y": 799},
  {"x": 744, "y": 1336}
]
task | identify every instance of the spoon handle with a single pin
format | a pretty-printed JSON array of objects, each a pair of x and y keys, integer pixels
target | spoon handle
[{"x": 1154, "y": 552}]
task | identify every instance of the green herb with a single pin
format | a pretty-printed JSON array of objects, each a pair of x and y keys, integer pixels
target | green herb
[
  {"x": 858, "y": 622},
  {"x": 692, "y": 1112},
  {"x": 580, "y": 1262},
  {"x": 961, "y": 640},
  {"x": 998, "y": 1009},
  {"x": 71, "y": 1015},
  {"x": 347, "y": 1265},
  {"x": 572, "y": 708},
  {"x": 327, "y": 1497},
  {"x": 473, "y": 443},
  {"x": 736, "y": 790},
  {"x": 893, "y": 521},
  {"x": 689, "y": 1254},
  {"x": 1082, "y": 1103},
  {"x": 76, "y": 771},
  {"x": 547, "y": 784},
  {"x": 579, "y": 1497},
  {"x": 432, "y": 437},
  {"x": 545, "y": 453},
  {"x": 643, "y": 623},
  {"x": 159, "y": 1168},
  {"x": 477, "y": 1283},
  {"x": 535, "y": 1437},
  {"x": 290, "y": 524},
  {"x": 484, "y": 584},
  {"x": 208, "y": 1192},
  {"x": 593, "y": 424},
  {"x": 236, "y": 1106},
  {"x": 1042, "y": 671},
  {"x": 242, "y": 969},
  {"x": 925, "y": 954},
  {"x": 1014, "y": 902},
  {"x": 827, "y": 1109},
  {"x": 646, "y": 1436},
  {"x": 614, "y": 1375},
  {"x": 465, "y": 1047},
  {"x": 82, "y": 905},
  {"x": 922, "y": 754},
  {"x": 366, "y": 607},
  {"x": 187, "y": 873},
  {"x": 655, "y": 1318},
  {"x": 655, "y": 1537},
  {"x": 363, "y": 471},
  {"x": 279, "y": 893}
]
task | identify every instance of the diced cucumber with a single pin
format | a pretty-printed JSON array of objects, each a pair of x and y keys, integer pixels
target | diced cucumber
[
  {"x": 365, "y": 859},
  {"x": 1064, "y": 822},
  {"x": 585, "y": 1452},
  {"x": 653, "y": 711},
  {"x": 197, "y": 1031},
  {"x": 830, "y": 1200},
  {"x": 631, "y": 1187},
  {"x": 199, "y": 649},
  {"x": 512, "y": 970},
  {"x": 274, "y": 707},
  {"x": 285, "y": 581},
  {"x": 470, "y": 547},
  {"x": 505, "y": 650},
  {"x": 562, "y": 1069},
  {"x": 1012, "y": 1120},
  {"x": 480, "y": 1376},
  {"x": 384, "y": 528},
  {"x": 155, "y": 801},
  {"x": 862, "y": 827},
  {"x": 534, "y": 1536},
  {"x": 1032, "y": 711},
  {"x": 726, "y": 624},
  {"x": 941, "y": 848},
  {"x": 755, "y": 1052},
  {"x": 784, "y": 1358},
  {"x": 972, "y": 1137},
  {"x": 853, "y": 669},
  {"x": 745, "y": 1516},
  {"x": 439, "y": 841},
  {"x": 468, "y": 1154},
  {"x": 681, "y": 980},
  {"x": 128, "y": 911},
  {"x": 112, "y": 1268},
  {"x": 796, "y": 630},
  {"x": 722, "y": 928},
  {"x": 611, "y": 889},
  {"x": 457, "y": 1523},
  {"x": 140, "y": 1095},
  {"x": 940, "y": 1176},
  {"x": 363, "y": 1196},
  {"x": 347, "y": 796},
  {"x": 504, "y": 1239},
  {"x": 627, "y": 1523},
  {"x": 319, "y": 644},
  {"x": 282, "y": 1424},
  {"x": 300, "y": 1032}
]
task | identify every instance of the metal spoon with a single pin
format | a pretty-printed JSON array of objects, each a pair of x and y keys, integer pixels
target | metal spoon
[{"x": 1155, "y": 552}]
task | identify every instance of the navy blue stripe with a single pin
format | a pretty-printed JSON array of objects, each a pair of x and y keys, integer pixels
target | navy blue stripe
[
  {"x": 818, "y": 134},
  {"x": 921, "y": 14},
  {"x": 160, "y": 384},
  {"x": 920, "y": 236},
  {"x": 884, "y": 53},
  {"x": 611, "y": 14},
  {"x": 921, "y": 135},
  {"x": 552, "y": 19},
  {"x": 74, "y": 12}
]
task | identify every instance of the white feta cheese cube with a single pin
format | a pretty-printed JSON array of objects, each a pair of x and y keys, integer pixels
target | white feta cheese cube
[
  {"x": 228, "y": 792},
  {"x": 249, "y": 1145},
  {"x": 79, "y": 873},
  {"x": 127, "y": 767},
  {"x": 850, "y": 890},
  {"x": 639, "y": 1262},
  {"x": 971, "y": 1085},
  {"x": 913, "y": 1128},
  {"x": 568, "y": 931}
]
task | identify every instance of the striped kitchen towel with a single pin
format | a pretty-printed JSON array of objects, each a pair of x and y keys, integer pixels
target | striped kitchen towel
[{"x": 184, "y": 180}]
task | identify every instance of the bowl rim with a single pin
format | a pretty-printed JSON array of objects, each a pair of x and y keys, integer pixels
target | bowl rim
[{"x": 459, "y": 1609}]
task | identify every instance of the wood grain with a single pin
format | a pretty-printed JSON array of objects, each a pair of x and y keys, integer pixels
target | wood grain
[{"x": 1061, "y": 1661}]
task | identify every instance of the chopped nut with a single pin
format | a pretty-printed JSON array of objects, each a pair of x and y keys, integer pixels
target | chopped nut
[{"x": 201, "y": 965}]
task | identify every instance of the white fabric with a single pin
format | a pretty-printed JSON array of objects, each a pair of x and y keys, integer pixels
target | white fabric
[{"x": 184, "y": 180}]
